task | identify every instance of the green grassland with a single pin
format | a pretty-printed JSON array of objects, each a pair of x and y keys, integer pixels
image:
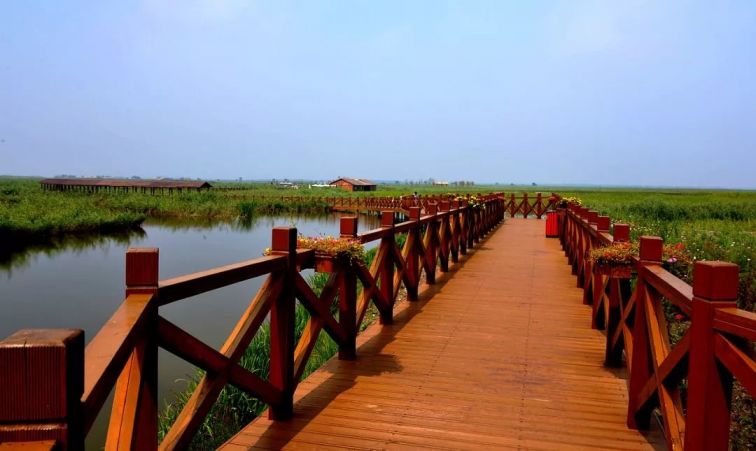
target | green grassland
[{"x": 713, "y": 225}]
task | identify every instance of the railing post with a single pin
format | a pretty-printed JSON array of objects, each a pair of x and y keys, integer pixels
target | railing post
[
  {"x": 715, "y": 285},
  {"x": 348, "y": 296},
  {"x": 413, "y": 257},
  {"x": 133, "y": 416},
  {"x": 619, "y": 290},
  {"x": 387, "y": 269},
  {"x": 594, "y": 288},
  {"x": 282, "y": 316},
  {"x": 454, "y": 223},
  {"x": 463, "y": 224},
  {"x": 640, "y": 369},
  {"x": 444, "y": 236},
  {"x": 41, "y": 383},
  {"x": 430, "y": 242}
]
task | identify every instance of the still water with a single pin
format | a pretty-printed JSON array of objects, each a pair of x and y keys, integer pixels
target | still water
[{"x": 79, "y": 283}]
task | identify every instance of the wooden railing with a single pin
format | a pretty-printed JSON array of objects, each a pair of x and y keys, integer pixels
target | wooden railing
[
  {"x": 514, "y": 204},
  {"x": 716, "y": 347},
  {"x": 52, "y": 388}
]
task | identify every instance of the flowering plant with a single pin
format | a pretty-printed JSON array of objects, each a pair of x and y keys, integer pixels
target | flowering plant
[
  {"x": 565, "y": 201},
  {"x": 676, "y": 254},
  {"x": 473, "y": 202},
  {"x": 330, "y": 246},
  {"x": 614, "y": 254}
]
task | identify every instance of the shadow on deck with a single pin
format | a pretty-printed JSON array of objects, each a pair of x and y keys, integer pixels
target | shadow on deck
[{"x": 500, "y": 355}]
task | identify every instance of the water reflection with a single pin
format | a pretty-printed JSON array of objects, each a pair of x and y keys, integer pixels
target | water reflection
[{"x": 15, "y": 255}]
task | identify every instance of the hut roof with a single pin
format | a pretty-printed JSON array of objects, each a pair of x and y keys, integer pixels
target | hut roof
[{"x": 351, "y": 181}]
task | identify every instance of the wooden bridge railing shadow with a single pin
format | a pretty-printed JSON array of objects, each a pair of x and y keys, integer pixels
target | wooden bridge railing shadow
[
  {"x": 52, "y": 388},
  {"x": 717, "y": 346}
]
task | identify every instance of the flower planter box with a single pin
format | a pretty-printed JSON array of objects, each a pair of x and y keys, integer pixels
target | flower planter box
[
  {"x": 330, "y": 263},
  {"x": 615, "y": 271}
]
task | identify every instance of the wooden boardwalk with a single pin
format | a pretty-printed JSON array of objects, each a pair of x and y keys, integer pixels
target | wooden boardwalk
[{"x": 499, "y": 355}]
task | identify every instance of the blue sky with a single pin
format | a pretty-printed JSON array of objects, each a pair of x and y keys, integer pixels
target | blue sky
[{"x": 599, "y": 92}]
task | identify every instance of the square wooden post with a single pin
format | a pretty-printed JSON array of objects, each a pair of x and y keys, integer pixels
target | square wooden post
[
  {"x": 619, "y": 290},
  {"x": 454, "y": 223},
  {"x": 639, "y": 417},
  {"x": 282, "y": 316},
  {"x": 443, "y": 235},
  {"x": 413, "y": 256},
  {"x": 715, "y": 286},
  {"x": 431, "y": 244},
  {"x": 348, "y": 296},
  {"x": 387, "y": 268},
  {"x": 41, "y": 384},
  {"x": 134, "y": 416}
]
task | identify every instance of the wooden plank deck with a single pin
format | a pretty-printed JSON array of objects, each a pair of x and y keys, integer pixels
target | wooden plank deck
[{"x": 499, "y": 354}]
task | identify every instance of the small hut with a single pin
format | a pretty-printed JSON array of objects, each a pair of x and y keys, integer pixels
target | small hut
[{"x": 351, "y": 184}]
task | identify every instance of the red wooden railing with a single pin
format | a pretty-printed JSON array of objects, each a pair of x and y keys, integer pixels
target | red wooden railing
[
  {"x": 514, "y": 204},
  {"x": 52, "y": 388},
  {"x": 717, "y": 346}
]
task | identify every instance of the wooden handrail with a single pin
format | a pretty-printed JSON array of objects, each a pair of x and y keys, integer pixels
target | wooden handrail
[
  {"x": 720, "y": 335},
  {"x": 514, "y": 204},
  {"x": 124, "y": 352}
]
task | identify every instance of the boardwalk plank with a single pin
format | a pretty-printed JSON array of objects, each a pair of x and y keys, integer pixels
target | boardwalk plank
[{"x": 499, "y": 354}]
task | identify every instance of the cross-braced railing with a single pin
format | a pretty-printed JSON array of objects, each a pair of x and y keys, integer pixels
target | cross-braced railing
[
  {"x": 716, "y": 348},
  {"x": 52, "y": 388}
]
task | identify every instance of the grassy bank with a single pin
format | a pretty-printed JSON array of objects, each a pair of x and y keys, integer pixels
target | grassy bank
[{"x": 27, "y": 213}]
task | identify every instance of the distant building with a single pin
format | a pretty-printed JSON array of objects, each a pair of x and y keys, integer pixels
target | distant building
[
  {"x": 440, "y": 183},
  {"x": 350, "y": 184},
  {"x": 107, "y": 184}
]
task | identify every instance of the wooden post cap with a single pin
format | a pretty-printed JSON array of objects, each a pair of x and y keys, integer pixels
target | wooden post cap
[
  {"x": 592, "y": 217},
  {"x": 41, "y": 375},
  {"x": 414, "y": 213},
  {"x": 651, "y": 248},
  {"x": 432, "y": 208},
  {"x": 284, "y": 239},
  {"x": 716, "y": 280},
  {"x": 455, "y": 204},
  {"x": 348, "y": 226},
  {"x": 621, "y": 233},
  {"x": 444, "y": 205},
  {"x": 142, "y": 267},
  {"x": 603, "y": 223},
  {"x": 387, "y": 219}
]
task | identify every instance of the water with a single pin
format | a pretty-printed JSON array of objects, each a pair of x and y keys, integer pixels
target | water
[{"x": 78, "y": 283}]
